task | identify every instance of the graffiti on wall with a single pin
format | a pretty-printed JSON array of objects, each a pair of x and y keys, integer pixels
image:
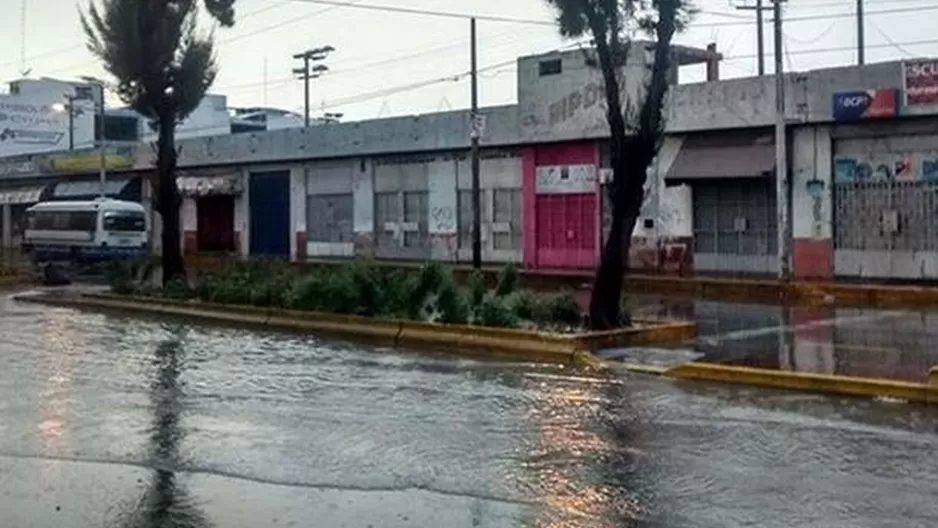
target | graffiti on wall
[
  {"x": 815, "y": 189},
  {"x": 885, "y": 167},
  {"x": 580, "y": 99},
  {"x": 442, "y": 219}
]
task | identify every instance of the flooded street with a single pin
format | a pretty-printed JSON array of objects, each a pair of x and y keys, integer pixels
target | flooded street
[
  {"x": 894, "y": 344},
  {"x": 125, "y": 422}
]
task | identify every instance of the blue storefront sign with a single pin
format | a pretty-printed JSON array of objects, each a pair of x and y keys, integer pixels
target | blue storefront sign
[{"x": 866, "y": 104}]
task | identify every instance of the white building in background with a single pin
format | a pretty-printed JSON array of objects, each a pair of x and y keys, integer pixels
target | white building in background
[{"x": 210, "y": 118}]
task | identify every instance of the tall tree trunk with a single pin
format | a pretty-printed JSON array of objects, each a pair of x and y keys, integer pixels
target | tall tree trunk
[
  {"x": 169, "y": 201},
  {"x": 606, "y": 312}
]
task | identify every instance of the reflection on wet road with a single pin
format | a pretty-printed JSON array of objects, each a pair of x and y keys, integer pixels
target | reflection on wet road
[
  {"x": 121, "y": 422},
  {"x": 826, "y": 340}
]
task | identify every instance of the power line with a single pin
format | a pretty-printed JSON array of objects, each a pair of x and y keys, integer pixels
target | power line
[
  {"x": 428, "y": 12},
  {"x": 66, "y": 49},
  {"x": 494, "y": 18}
]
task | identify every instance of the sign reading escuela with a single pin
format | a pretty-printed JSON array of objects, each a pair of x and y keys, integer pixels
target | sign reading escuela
[{"x": 921, "y": 82}]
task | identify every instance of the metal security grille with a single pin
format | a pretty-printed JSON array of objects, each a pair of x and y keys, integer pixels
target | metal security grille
[
  {"x": 735, "y": 226},
  {"x": 886, "y": 228},
  {"x": 330, "y": 218},
  {"x": 886, "y": 216}
]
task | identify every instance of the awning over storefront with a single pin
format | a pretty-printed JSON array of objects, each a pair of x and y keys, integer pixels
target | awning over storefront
[
  {"x": 714, "y": 156},
  {"x": 227, "y": 185},
  {"x": 118, "y": 187},
  {"x": 20, "y": 195}
]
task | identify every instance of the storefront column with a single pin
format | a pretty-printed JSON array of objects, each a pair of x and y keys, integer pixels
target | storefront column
[
  {"x": 812, "y": 244},
  {"x": 6, "y": 222},
  {"x": 189, "y": 220},
  {"x": 298, "y": 197}
]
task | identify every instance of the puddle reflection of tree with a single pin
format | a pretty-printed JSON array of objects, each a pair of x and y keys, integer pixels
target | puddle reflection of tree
[{"x": 164, "y": 503}]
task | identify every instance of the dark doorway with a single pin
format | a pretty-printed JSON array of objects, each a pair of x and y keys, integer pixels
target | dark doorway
[
  {"x": 216, "y": 224},
  {"x": 270, "y": 214}
]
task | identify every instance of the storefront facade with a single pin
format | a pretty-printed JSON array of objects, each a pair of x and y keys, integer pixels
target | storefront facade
[{"x": 211, "y": 213}]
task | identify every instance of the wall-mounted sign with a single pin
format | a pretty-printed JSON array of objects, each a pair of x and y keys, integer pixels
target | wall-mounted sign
[
  {"x": 34, "y": 124},
  {"x": 17, "y": 167},
  {"x": 921, "y": 82},
  {"x": 91, "y": 163},
  {"x": 866, "y": 104},
  {"x": 565, "y": 179}
]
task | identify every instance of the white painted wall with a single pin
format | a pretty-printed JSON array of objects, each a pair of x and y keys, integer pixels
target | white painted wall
[
  {"x": 364, "y": 199},
  {"x": 298, "y": 188},
  {"x": 671, "y": 208},
  {"x": 811, "y": 182},
  {"x": 188, "y": 216},
  {"x": 210, "y": 118}
]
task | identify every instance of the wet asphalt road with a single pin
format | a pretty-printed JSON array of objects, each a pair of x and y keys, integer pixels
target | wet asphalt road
[{"x": 107, "y": 421}]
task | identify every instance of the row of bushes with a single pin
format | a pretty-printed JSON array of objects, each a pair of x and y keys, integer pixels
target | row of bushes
[{"x": 428, "y": 293}]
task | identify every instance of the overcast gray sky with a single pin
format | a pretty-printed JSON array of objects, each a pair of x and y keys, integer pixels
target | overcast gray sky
[{"x": 379, "y": 51}]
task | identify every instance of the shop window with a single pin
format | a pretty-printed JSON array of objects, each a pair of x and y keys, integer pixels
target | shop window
[
  {"x": 329, "y": 218},
  {"x": 387, "y": 215},
  {"x": 415, "y": 215},
  {"x": 507, "y": 219},
  {"x": 465, "y": 219},
  {"x": 550, "y": 67}
]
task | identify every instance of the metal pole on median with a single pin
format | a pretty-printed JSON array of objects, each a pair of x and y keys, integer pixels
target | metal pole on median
[
  {"x": 475, "y": 133},
  {"x": 102, "y": 146},
  {"x": 100, "y": 110},
  {"x": 861, "y": 35},
  {"x": 781, "y": 151}
]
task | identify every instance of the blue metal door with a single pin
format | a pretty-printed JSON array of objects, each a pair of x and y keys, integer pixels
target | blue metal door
[{"x": 270, "y": 213}]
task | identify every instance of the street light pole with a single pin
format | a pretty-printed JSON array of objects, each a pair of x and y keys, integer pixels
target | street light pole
[
  {"x": 101, "y": 131},
  {"x": 475, "y": 133},
  {"x": 307, "y": 72},
  {"x": 70, "y": 108},
  {"x": 102, "y": 145},
  {"x": 781, "y": 151}
]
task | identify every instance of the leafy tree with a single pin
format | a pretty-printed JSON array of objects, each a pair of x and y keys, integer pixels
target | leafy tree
[
  {"x": 163, "y": 66},
  {"x": 636, "y": 127}
]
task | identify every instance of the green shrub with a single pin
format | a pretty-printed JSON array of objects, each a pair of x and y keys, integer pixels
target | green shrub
[
  {"x": 497, "y": 312},
  {"x": 564, "y": 309},
  {"x": 476, "y": 285},
  {"x": 120, "y": 278},
  {"x": 452, "y": 305},
  {"x": 177, "y": 289},
  {"x": 531, "y": 307},
  {"x": 508, "y": 281},
  {"x": 306, "y": 293}
]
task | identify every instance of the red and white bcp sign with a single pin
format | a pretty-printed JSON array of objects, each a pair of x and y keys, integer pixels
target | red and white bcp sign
[{"x": 921, "y": 82}]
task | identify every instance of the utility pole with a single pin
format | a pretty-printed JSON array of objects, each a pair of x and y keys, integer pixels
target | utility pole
[
  {"x": 308, "y": 71},
  {"x": 861, "y": 36},
  {"x": 102, "y": 146},
  {"x": 70, "y": 108},
  {"x": 475, "y": 133},
  {"x": 781, "y": 151},
  {"x": 102, "y": 142},
  {"x": 759, "y": 8}
]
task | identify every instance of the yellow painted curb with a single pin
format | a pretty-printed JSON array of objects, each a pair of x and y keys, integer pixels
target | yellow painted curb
[
  {"x": 14, "y": 280},
  {"x": 805, "y": 381},
  {"x": 482, "y": 341}
]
